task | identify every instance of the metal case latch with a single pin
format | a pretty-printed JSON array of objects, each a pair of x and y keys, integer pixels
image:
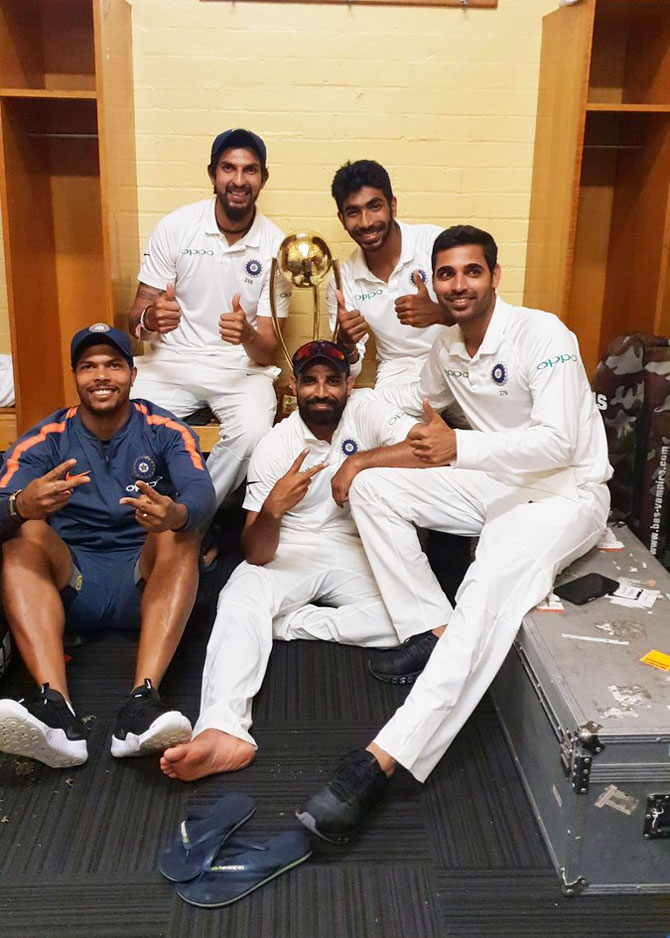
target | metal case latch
[
  {"x": 657, "y": 817},
  {"x": 577, "y": 752}
]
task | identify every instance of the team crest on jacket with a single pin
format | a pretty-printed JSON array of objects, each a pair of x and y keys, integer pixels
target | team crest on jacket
[
  {"x": 499, "y": 374},
  {"x": 253, "y": 267},
  {"x": 349, "y": 447},
  {"x": 144, "y": 468}
]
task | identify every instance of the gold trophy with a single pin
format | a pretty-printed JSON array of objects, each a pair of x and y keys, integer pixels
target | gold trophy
[{"x": 304, "y": 260}]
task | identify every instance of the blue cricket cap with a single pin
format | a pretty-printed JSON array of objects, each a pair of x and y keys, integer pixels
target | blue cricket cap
[
  {"x": 97, "y": 334},
  {"x": 239, "y": 137}
]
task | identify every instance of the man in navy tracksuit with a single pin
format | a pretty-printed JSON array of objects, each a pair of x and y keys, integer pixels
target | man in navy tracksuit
[{"x": 100, "y": 509}]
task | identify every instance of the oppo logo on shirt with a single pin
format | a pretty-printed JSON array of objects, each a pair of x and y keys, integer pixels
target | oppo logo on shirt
[
  {"x": 556, "y": 360},
  {"x": 197, "y": 252},
  {"x": 367, "y": 296},
  {"x": 450, "y": 373}
]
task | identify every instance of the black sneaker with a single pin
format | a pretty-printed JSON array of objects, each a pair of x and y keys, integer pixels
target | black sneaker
[
  {"x": 145, "y": 725},
  {"x": 403, "y": 665},
  {"x": 44, "y": 728},
  {"x": 338, "y": 809}
]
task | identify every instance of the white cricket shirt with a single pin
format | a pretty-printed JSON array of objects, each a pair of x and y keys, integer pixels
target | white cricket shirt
[
  {"x": 186, "y": 248},
  {"x": 366, "y": 423},
  {"x": 527, "y": 398},
  {"x": 375, "y": 299}
]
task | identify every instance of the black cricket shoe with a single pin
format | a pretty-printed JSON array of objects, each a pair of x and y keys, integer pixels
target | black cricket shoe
[
  {"x": 403, "y": 665},
  {"x": 337, "y": 810},
  {"x": 44, "y": 728},
  {"x": 145, "y": 725}
]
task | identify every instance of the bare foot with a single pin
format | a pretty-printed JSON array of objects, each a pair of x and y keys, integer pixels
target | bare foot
[{"x": 208, "y": 753}]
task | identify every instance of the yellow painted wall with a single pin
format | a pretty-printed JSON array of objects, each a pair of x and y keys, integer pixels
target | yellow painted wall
[{"x": 444, "y": 98}]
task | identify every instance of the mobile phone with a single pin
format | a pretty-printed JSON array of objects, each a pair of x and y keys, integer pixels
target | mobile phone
[{"x": 586, "y": 588}]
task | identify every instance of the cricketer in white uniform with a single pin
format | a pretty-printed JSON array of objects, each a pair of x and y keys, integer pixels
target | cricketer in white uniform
[
  {"x": 528, "y": 478},
  {"x": 302, "y": 548},
  {"x": 204, "y": 305},
  {"x": 386, "y": 288}
]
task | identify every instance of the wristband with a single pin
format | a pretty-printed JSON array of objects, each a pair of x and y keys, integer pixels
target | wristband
[
  {"x": 142, "y": 324},
  {"x": 13, "y": 510}
]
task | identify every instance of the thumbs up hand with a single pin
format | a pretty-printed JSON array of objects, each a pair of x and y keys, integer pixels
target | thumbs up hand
[
  {"x": 433, "y": 442},
  {"x": 164, "y": 313},
  {"x": 233, "y": 326},
  {"x": 418, "y": 309},
  {"x": 352, "y": 325}
]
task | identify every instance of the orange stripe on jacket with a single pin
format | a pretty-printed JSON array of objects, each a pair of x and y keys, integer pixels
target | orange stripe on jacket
[
  {"x": 28, "y": 443},
  {"x": 189, "y": 442}
]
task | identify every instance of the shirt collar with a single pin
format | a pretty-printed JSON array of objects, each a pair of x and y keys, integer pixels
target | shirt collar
[{"x": 251, "y": 239}]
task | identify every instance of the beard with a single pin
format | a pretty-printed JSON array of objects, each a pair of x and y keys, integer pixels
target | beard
[
  {"x": 328, "y": 416},
  {"x": 235, "y": 212}
]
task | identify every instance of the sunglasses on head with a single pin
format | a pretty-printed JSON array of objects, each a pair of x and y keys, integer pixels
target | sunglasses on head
[{"x": 321, "y": 349}]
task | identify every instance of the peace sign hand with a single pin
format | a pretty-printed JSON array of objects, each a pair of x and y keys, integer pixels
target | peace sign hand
[
  {"x": 290, "y": 490},
  {"x": 156, "y": 512},
  {"x": 46, "y": 495}
]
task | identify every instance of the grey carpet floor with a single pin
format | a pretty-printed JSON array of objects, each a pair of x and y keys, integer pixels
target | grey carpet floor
[{"x": 458, "y": 857}]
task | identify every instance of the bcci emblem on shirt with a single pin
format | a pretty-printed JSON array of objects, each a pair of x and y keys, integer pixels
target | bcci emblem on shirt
[
  {"x": 499, "y": 374},
  {"x": 253, "y": 267},
  {"x": 349, "y": 447},
  {"x": 144, "y": 468}
]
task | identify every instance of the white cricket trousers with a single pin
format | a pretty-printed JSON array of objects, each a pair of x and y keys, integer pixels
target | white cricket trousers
[
  {"x": 243, "y": 403},
  {"x": 525, "y": 539},
  {"x": 277, "y": 601}
]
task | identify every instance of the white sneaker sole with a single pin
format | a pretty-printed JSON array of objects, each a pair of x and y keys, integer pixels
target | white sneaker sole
[
  {"x": 22, "y": 734},
  {"x": 167, "y": 730}
]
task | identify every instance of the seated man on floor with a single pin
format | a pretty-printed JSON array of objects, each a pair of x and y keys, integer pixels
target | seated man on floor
[
  {"x": 301, "y": 548},
  {"x": 529, "y": 479},
  {"x": 100, "y": 506}
]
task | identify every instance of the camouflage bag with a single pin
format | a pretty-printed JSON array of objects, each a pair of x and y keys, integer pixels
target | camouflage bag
[{"x": 632, "y": 391}]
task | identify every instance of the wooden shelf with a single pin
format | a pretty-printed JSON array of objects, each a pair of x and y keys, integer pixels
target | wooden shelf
[
  {"x": 45, "y": 93},
  {"x": 629, "y": 108}
]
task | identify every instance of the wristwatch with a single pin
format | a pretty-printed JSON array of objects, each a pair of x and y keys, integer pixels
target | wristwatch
[{"x": 13, "y": 509}]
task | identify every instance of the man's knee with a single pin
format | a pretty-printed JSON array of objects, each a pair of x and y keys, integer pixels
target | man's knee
[
  {"x": 244, "y": 438},
  {"x": 36, "y": 541},
  {"x": 170, "y": 547}
]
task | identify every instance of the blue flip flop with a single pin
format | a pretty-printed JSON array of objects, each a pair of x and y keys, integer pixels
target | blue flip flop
[
  {"x": 235, "y": 874},
  {"x": 201, "y": 836}
]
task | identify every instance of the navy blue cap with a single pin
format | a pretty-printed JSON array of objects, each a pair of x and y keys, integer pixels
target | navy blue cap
[
  {"x": 97, "y": 334},
  {"x": 239, "y": 137}
]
